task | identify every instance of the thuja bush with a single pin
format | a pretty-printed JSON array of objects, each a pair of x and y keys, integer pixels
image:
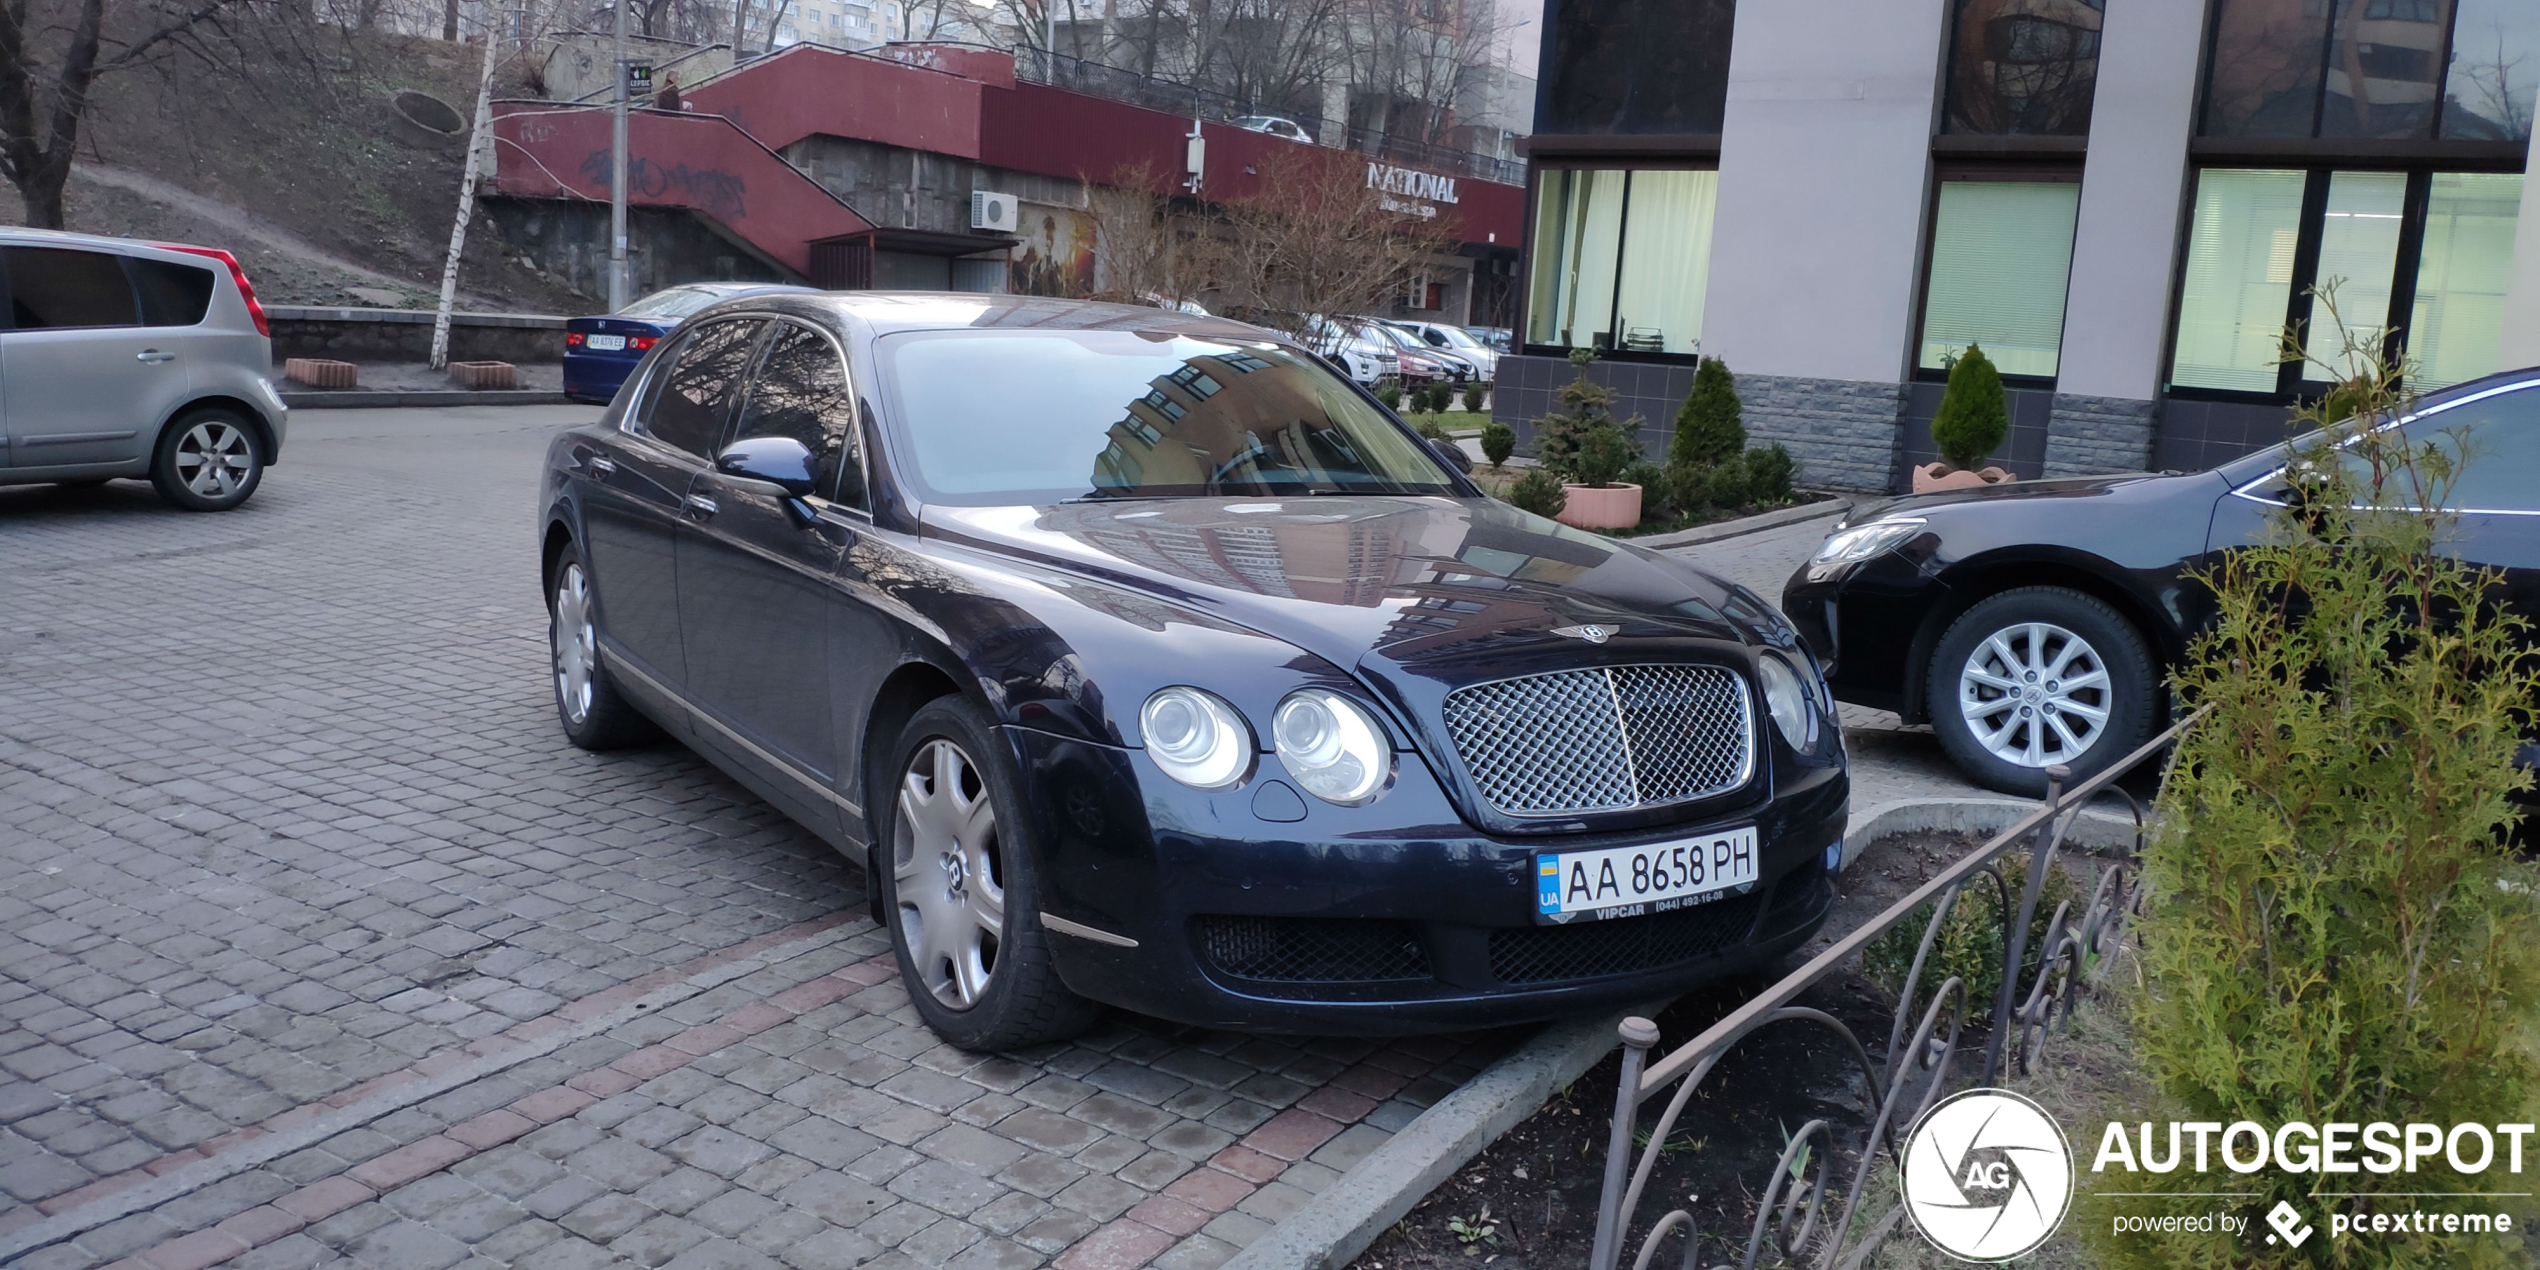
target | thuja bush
[
  {"x": 1498, "y": 442},
  {"x": 1540, "y": 492},
  {"x": 2336, "y": 927},
  {"x": 1974, "y": 414}
]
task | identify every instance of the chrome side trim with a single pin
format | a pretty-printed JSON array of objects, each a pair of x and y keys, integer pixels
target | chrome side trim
[
  {"x": 761, "y": 753},
  {"x": 1082, "y": 931},
  {"x": 65, "y": 438}
]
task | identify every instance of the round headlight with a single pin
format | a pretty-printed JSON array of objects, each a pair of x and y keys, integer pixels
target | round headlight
[
  {"x": 1196, "y": 738},
  {"x": 1787, "y": 701},
  {"x": 1331, "y": 746}
]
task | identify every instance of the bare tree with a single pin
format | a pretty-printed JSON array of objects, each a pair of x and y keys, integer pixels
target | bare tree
[
  {"x": 1316, "y": 240},
  {"x": 51, "y": 56},
  {"x": 1148, "y": 249}
]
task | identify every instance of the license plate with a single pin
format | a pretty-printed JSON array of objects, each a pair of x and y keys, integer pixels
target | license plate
[
  {"x": 1653, "y": 878},
  {"x": 608, "y": 343}
]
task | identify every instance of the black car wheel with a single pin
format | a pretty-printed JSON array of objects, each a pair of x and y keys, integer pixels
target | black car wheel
[
  {"x": 962, "y": 894},
  {"x": 596, "y": 716},
  {"x": 208, "y": 461},
  {"x": 2035, "y": 677}
]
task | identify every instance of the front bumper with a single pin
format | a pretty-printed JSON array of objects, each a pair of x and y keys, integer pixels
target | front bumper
[
  {"x": 1394, "y": 918},
  {"x": 1868, "y": 623}
]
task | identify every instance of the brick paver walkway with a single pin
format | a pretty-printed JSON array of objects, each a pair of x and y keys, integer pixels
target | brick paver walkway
[{"x": 319, "y": 946}]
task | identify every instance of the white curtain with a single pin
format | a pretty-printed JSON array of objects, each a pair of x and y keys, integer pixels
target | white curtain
[
  {"x": 1666, "y": 260},
  {"x": 2469, "y": 253},
  {"x": 2359, "y": 251},
  {"x": 2239, "y": 278},
  {"x": 2001, "y": 255}
]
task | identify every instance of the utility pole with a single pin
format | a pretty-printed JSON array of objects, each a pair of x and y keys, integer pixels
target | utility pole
[{"x": 617, "y": 170}]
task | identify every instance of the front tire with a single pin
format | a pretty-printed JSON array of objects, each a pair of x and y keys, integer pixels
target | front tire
[
  {"x": 208, "y": 461},
  {"x": 2040, "y": 676},
  {"x": 961, "y": 890},
  {"x": 596, "y": 716}
]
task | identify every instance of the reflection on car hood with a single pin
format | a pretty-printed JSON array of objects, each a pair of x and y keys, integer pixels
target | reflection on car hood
[
  {"x": 2006, "y": 492},
  {"x": 1404, "y": 582}
]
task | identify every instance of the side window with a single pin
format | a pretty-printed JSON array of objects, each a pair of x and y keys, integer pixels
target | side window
[
  {"x": 59, "y": 287},
  {"x": 171, "y": 294},
  {"x": 2502, "y": 469},
  {"x": 802, "y": 392},
  {"x": 696, "y": 393}
]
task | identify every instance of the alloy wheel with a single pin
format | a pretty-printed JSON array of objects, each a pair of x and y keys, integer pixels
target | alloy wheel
[
  {"x": 2035, "y": 694},
  {"x": 214, "y": 458},
  {"x": 577, "y": 643},
  {"x": 947, "y": 874}
]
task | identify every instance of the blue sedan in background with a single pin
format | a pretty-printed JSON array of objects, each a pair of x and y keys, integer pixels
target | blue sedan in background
[{"x": 599, "y": 351}]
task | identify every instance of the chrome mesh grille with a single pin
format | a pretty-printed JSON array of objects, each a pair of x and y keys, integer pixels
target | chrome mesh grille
[{"x": 1604, "y": 740}]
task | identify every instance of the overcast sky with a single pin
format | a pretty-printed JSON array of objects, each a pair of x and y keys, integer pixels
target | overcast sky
[{"x": 1519, "y": 41}]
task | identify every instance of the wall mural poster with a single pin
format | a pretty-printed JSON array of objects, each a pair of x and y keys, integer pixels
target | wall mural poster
[{"x": 1057, "y": 254}]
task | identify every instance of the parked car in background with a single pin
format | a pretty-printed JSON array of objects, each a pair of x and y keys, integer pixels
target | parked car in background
[
  {"x": 600, "y": 350},
  {"x": 1144, "y": 661},
  {"x": 1455, "y": 342},
  {"x": 1275, "y": 126},
  {"x": 130, "y": 359},
  {"x": 2034, "y": 622},
  {"x": 1420, "y": 365},
  {"x": 1368, "y": 357},
  {"x": 1495, "y": 338}
]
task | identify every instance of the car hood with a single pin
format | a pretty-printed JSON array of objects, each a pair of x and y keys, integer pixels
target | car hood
[
  {"x": 2006, "y": 492},
  {"x": 1419, "y": 595}
]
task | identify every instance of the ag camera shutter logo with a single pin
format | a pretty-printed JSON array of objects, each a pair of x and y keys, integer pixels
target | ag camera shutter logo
[{"x": 1988, "y": 1175}]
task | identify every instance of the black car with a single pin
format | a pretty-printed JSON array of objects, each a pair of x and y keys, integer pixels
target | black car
[
  {"x": 2033, "y": 623},
  {"x": 1144, "y": 660}
]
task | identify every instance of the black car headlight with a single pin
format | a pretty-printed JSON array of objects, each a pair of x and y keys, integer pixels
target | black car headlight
[
  {"x": 1864, "y": 541},
  {"x": 1196, "y": 737},
  {"x": 1331, "y": 746},
  {"x": 1787, "y": 699}
]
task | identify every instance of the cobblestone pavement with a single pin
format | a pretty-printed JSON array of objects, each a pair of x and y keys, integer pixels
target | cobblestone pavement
[{"x": 321, "y": 946}]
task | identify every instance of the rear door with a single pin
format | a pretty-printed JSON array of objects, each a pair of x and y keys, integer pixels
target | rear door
[
  {"x": 82, "y": 380},
  {"x": 777, "y": 634},
  {"x": 635, "y": 511}
]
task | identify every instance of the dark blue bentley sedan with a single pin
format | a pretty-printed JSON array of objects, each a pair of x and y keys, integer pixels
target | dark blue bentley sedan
[
  {"x": 600, "y": 350},
  {"x": 1143, "y": 660}
]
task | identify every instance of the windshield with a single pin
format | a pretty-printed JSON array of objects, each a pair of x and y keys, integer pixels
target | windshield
[
  {"x": 1455, "y": 337},
  {"x": 673, "y": 304},
  {"x": 1000, "y": 418}
]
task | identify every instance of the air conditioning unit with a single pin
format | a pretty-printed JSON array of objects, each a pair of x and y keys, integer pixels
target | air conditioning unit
[{"x": 992, "y": 211}]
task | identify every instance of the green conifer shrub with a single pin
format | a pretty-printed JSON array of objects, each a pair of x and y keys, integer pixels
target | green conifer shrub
[{"x": 1974, "y": 415}]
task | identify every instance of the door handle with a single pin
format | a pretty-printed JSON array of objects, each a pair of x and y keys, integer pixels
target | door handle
[
  {"x": 153, "y": 355},
  {"x": 701, "y": 507},
  {"x": 603, "y": 464}
]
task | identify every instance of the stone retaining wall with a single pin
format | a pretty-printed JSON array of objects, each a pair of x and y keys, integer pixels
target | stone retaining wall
[{"x": 405, "y": 335}]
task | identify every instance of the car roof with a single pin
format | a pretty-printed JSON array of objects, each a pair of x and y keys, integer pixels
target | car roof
[
  {"x": 891, "y": 312},
  {"x": 19, "y": 237}
]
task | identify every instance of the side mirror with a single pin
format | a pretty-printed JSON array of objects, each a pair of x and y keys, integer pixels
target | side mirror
[
  {"x": 1453, "y": 455},
  {"x": 782, "y": 462}
]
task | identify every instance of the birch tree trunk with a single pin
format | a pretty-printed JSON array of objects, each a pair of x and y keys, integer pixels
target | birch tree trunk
[{"x": 479, "y": 144}]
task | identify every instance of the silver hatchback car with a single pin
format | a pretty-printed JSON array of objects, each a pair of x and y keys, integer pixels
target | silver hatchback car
[{"x": 121, "y": 358}]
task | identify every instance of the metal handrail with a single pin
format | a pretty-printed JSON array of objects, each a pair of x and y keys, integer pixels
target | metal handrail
[{"x": 1915, "y": 1066}]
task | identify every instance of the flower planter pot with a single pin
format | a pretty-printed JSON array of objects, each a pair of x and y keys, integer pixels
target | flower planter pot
[
  {"x": 1932, "y": 477},
  {"x": 1614, "y": 507}
]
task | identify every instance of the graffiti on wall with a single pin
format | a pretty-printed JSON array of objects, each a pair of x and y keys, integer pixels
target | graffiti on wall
[
  {"x": 1057, "y": 253},
  {"x": 710, "y": 189}
]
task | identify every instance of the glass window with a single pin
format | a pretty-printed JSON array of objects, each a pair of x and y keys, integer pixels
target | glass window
[
  {"x": 1622, "y": 66},
  {"x": 2487, "y": 93},
  {"x": 670, "y": 305},
  {"x": 2001, "y": 254},
  {"x": 58, "y": 287},
  {"x": 1621, "y": 258},
  {"x": 801, "y": 392},
  {"x": 2017, "y": 66},
  {"x": 2359, "y": 255},
  {"x": 2492, "y": 445},
  {"x": 2460, "y": 300},
  {"x": 2239, "y": 279},
  {"x": 171, "y": 294},
  {"x": 2264, "y": 77},
  {"x": 2384, "y": 60},
  {"x": 1002, "y": 418},
  {"x": 695, "y": 397}
]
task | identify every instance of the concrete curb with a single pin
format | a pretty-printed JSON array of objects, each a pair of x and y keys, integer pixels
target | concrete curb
[
  {"x": 2097, "y": 827},
  {"x": 1744, "y": 525},
  {"x": 1337, "y": 1225},
  {"x": 368, "y": 399}
]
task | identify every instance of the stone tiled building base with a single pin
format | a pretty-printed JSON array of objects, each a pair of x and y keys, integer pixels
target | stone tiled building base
[
  {"x": 2088, "y": 436},
  {"x": 1843, "y": 432}
]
